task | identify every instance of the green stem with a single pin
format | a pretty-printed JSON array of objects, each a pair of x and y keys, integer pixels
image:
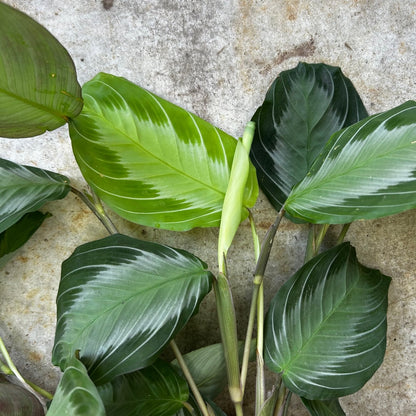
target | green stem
[
  {"x": 287, "y": 403},
  {"x": 11, "y": 369},
  {"x": 257, "y": 303},
  {"x": 320, "y": 237},
  {"x": 228, "y": 329},
  {"x": 97, "y": 208},
  {"x": 189, "y": 378},
  {"x": 343, "y": 232},
  {"x": 279, "y": 408},
  {"x": 315, "y": 237}
]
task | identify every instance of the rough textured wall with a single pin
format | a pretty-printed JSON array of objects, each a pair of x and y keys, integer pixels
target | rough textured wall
[{"x": 217, "y": 59}]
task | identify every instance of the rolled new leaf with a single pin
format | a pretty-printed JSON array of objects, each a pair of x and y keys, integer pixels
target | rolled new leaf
[
  {"x": 325, "y": 331},
  {"x": 302, "y": 109},
  {"x": 39, "y": 90},
  {"x": 151, "y": 161},
  {"x": 366, "y": 171},
  {"x": 121, "y": 300},
  {"x": 25, "y": 189}
]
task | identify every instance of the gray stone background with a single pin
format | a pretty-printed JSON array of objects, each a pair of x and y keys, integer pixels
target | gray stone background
[{"x": 217, "y": 59}]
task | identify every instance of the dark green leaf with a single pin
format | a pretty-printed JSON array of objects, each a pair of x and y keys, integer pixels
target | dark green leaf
[
  {"x": 38, "y": 85},
  {"x": 76, "y": 394},
  {"x": 326, "y": 327},
  {"x": 25, "y": 189},
  {"x": 150, "y": 161},
  {"x": 212, "y": 408},
  {"x": 154, "y": 391},
  {"x": 121, "y": 300},
  {"x": 18, "y": 401},
  {"x": 323, "y": 407},
  {"x": 302, "y": 109},
  {"x": 208, "y": 368},
  {"x": 20, "y": 232},
  {"x": 366, "y": 171}
]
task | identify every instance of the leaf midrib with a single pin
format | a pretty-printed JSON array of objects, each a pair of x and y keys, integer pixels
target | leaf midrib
[
  {"x": 36, "y": 105},
  {"x": 137, "y": 144},
  {"x": 330, "y": 178},
  {"x": 126, "y": 300},
  {"x": 318, "y": 329}
]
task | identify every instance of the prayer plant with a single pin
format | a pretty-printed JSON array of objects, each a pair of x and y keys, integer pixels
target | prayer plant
[{"x": 312, "y": 149}]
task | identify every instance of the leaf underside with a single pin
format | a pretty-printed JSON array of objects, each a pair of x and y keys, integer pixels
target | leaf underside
[
  {"x": 326, "y": 328},
  {"x": 302, "y": 109},
  {"x": 151, "y": 161},
  {"x": 323, "y": 407},
  {"x": 366, "y": 171},
  {"x": 121, "y": 300},
  {"x": 18, "y": 234},
  {"x": 39, "y": 90}
]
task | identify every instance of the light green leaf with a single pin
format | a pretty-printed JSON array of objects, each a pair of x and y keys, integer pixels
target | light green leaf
[
  {"x": 326, "y": 327},
  {"x": 25, "y": 189},
  {"x": 208, "y": 368},
  {"x": 76, "y": 394},
  {"x": 302, "y": 109},
  {"x": 150, "y": 161},
  {"x": 121, "y": 300},
  {"x": 154, "y": 391},
  {"x": 17, "y": 235},
  {"x": 39, "y": 90},
  {"x": 366, "y": 171},
  {"x": 323, "y": 407}
]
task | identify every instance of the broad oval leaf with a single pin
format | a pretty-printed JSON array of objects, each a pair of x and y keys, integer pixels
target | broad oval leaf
[
  {"x": 18, "y": 401},
  {"x": 39, "y": 90},
  {"x": 366, "y": 171},
  {"x": 76, "y": 394},
  {"x": 19, "y": 233},
  {"x": 121, "y": 300},
  {"x": 157, "y": 390},
  {"x": 25, "y": 189},
  {"x": 302, "y": 109},
  {"x": 150, "y": 161},
  {"x": 323, "y": 407},
  {"x": 325, "y": 330}
]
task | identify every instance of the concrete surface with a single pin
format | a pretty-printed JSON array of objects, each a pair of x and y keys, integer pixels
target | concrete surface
[{"x": 217, "y": 58}]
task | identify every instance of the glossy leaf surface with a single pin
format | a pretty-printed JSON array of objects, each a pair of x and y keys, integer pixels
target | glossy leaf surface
[
  {"x": 366, "y": 171},
  {"x": 25, "y": 189},
  {"x": 323, "y": 407},
  {"x": 302, "y": 109},
  {"x": 76, "y": 394},
  {"x": 121, "y": 300},
  {"x": 157, "y": 390},
  {"x": 150, "y": 161},
  {"x": 326, "y": 327},
  {"x": 39, "y": 90},
  {"x": 18, "y": 234}
]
